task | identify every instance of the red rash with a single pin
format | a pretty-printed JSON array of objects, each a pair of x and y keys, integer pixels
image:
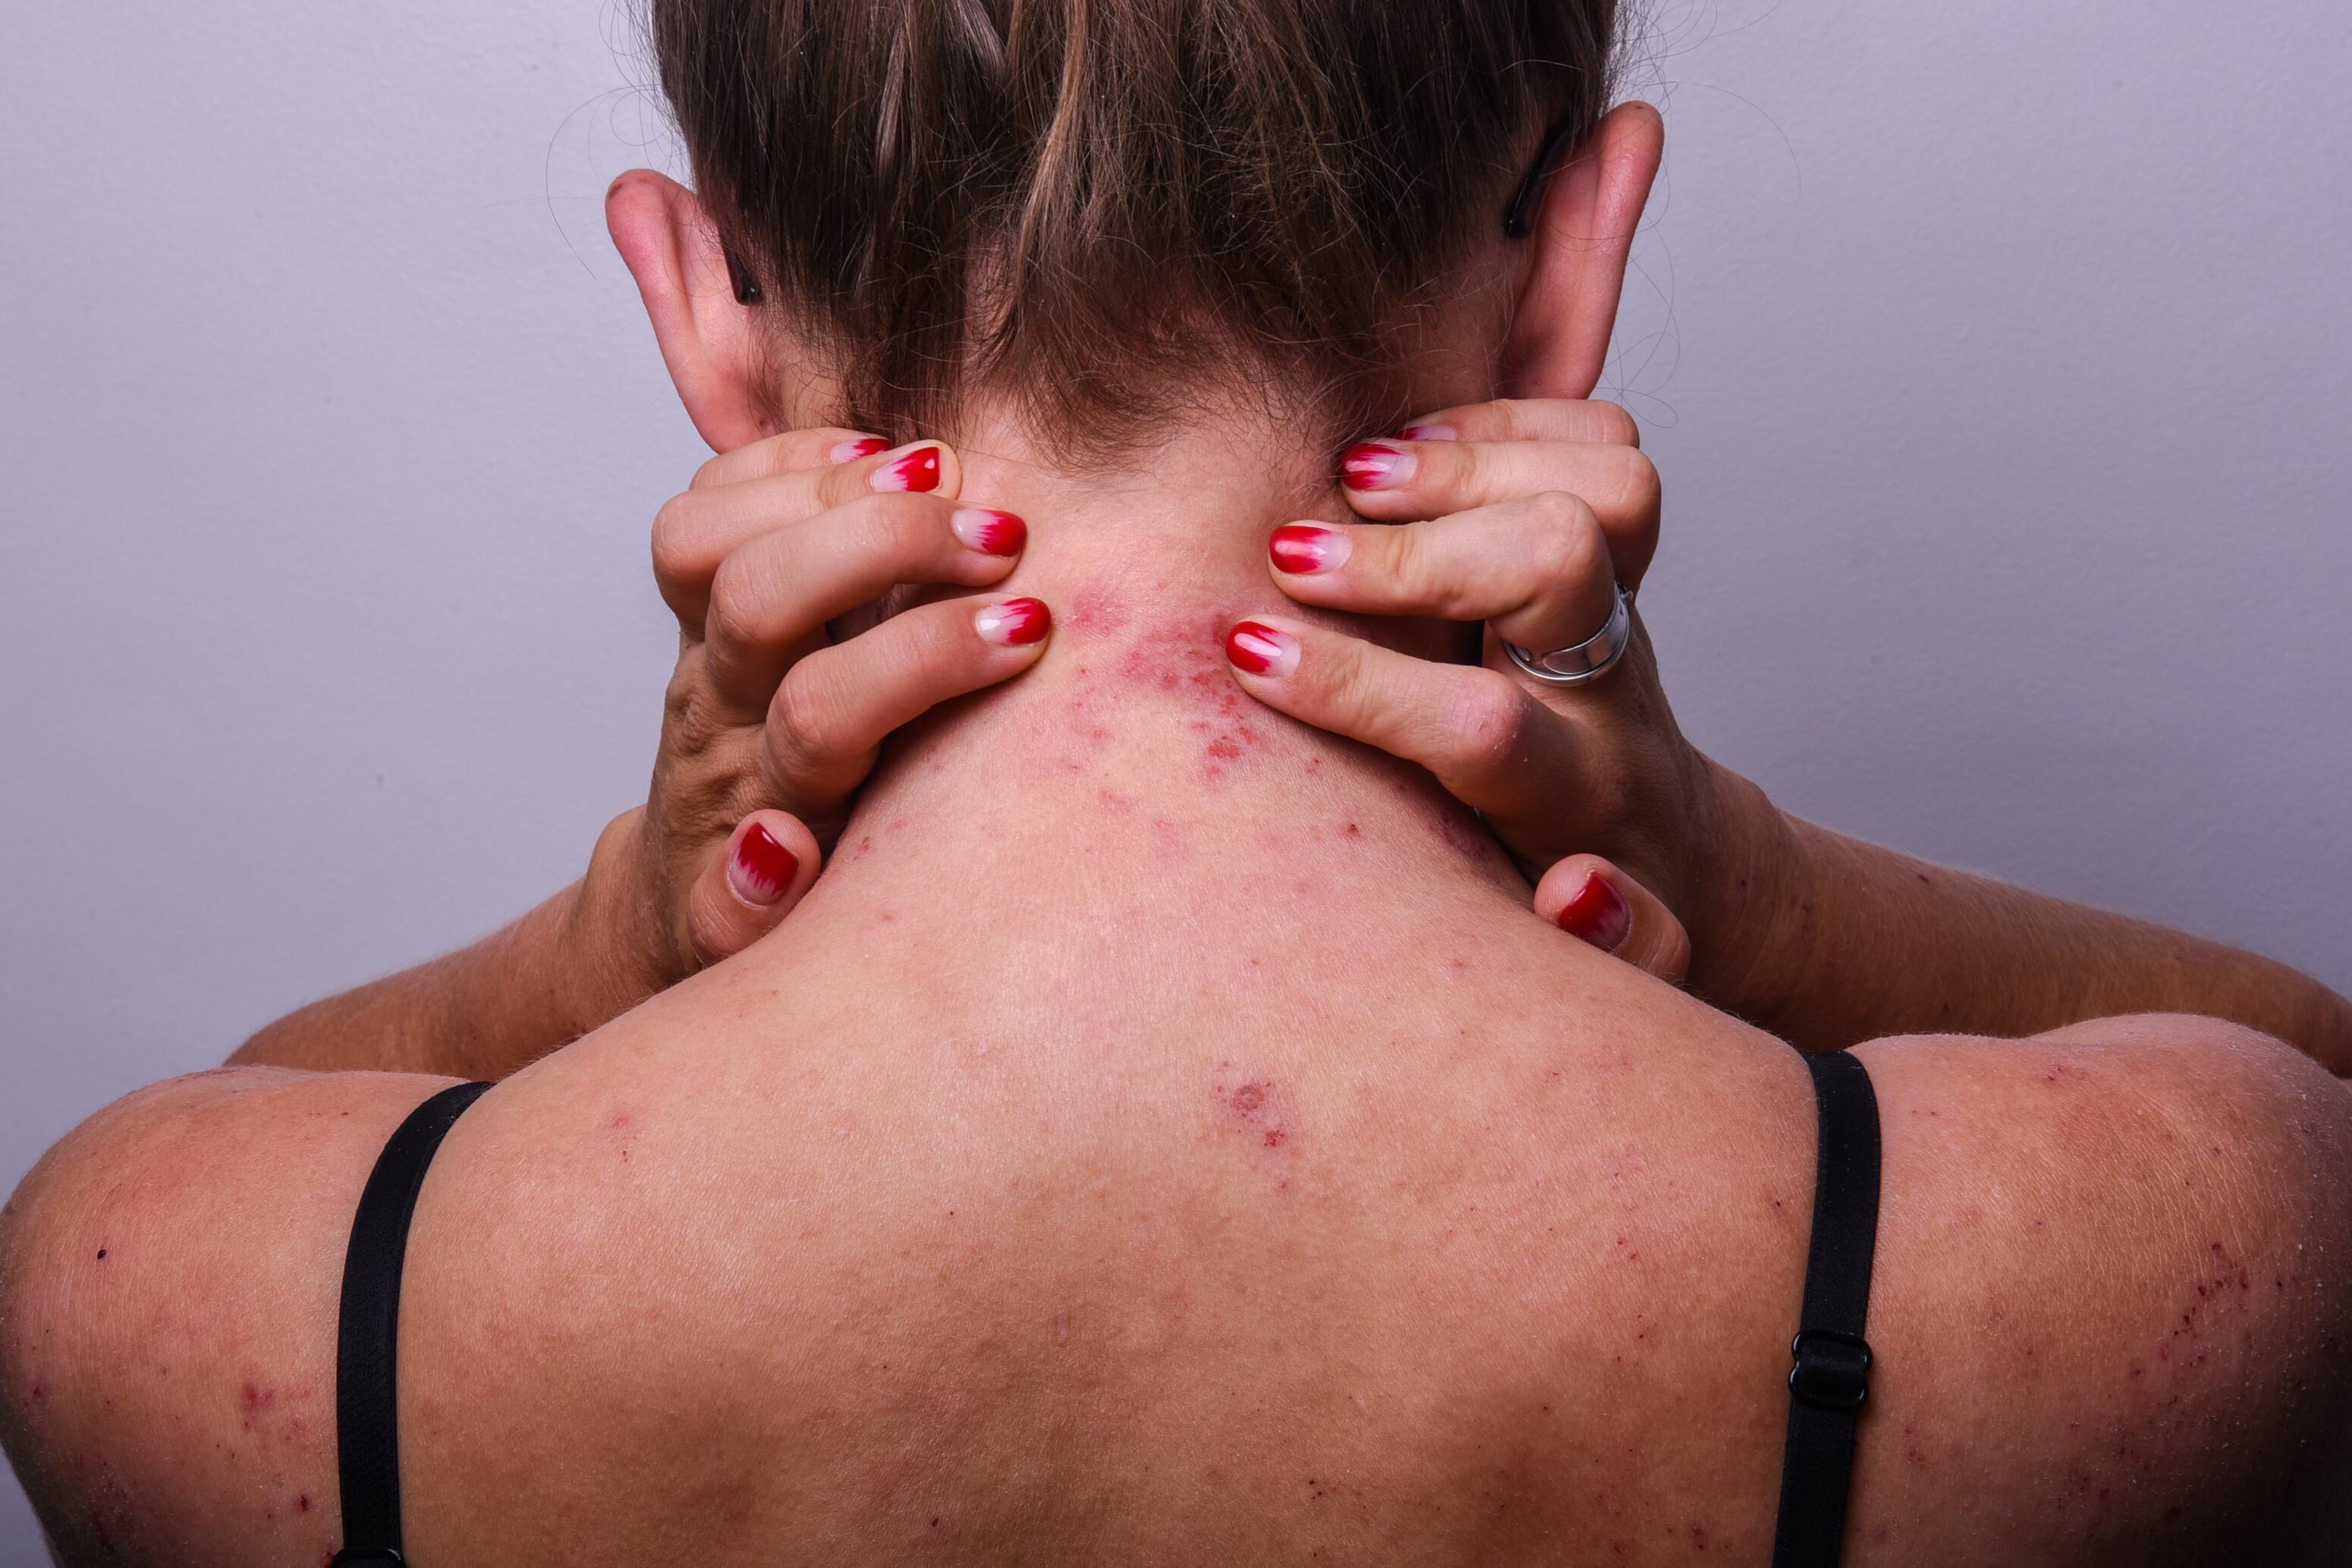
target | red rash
[{"x": 1255, "y": 1106}]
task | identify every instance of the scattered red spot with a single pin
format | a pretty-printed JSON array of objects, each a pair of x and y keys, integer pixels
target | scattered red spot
[
  {"x": 1098, "y": 609},
  {"x": 1354, "y": 832},
  {"x": 40, "y": 1394},
  {"x": 303, "y": 1502},
  {"x": 1254, "y": 1103}
]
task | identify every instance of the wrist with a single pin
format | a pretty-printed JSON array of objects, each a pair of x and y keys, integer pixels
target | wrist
[
  {"x": 1745, "y": 949},
  {"x": 613, "y": 952}
]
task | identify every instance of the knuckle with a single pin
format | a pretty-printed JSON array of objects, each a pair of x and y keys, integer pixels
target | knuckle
[
  {"x": 675, "y": 556},
  {"x": 800, "y": 721},
  {"x": 1566, "y": 546},
  {"x": 1614, "y": 425},
  {"x": 1487, "y": 725},
  {"x": 734, "y": 619},
  {"x": 1639, "y": 489}
]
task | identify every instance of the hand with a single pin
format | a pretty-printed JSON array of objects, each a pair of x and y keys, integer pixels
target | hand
[
  {"x": 1526, "y": 515},
  {"x": 769, "y": 726}
]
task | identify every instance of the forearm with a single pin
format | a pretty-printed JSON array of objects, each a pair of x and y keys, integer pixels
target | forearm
[
  {"x": 1826, "y": 940},
  {"x": 487, "y": 1009}
]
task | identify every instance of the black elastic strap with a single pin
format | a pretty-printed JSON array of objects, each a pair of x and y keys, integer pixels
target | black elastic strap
[
  {"x": 367, "y": 1411},
  {"x": 1830, "y": 1379}
]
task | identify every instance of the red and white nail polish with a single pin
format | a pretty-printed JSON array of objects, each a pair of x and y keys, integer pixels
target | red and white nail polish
[
  {"x": 1599, "y": 915},
  {"x": 1376, "y": 466},
  {"x": 1013, "y": 622},
  {"x": 760, "y": 868},
  {"x": 862, "y": 447},
  {"x": 1429, "y": 432},
  {"x": 987, "y": 530},
  {"x": 915, "y": 470},
  {"x": 1301, "y": 549},
  {"x": 1260, "y": 650}
]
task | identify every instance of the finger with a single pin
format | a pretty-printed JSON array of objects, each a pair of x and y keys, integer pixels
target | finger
[
  {"x": 787, "y": 452},
  {"x": 1538, "y": 568},
  {"x": 1528, "y": 418},
  {"x": 834, "y": 707},
  {"x": 1398, "y": 480},
  {"x": 770, "y": 598},
  {"x": 749, "y": 887},
  {"x": 697, "y": 529},
  {"x": 1593, "y": 900},
  {"x": 1492, "y": 745}
]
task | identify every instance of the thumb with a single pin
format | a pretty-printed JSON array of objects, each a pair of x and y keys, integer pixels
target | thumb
[
  {"x": 749, "y": 887},
  {"x": 1587, "y": 897}
]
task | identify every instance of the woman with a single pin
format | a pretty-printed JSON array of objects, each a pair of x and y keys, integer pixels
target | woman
[{"x": 1165, "y": 1132}]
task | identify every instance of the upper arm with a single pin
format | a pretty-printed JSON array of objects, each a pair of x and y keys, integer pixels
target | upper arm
[
  {"x": 2115, "y": 1264},
  {"x": 169, "y": 1277}
]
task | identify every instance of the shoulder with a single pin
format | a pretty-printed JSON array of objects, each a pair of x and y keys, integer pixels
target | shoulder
[
  {"x": 169, "y": 1283},
  {"x": 2114, "y": 1264}
]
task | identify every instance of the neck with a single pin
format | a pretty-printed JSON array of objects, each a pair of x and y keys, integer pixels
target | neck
[{"x": 1129, "y": 744}]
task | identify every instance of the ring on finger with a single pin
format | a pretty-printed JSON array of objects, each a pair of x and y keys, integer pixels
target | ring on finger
[{"x": 1586, "y": 660}]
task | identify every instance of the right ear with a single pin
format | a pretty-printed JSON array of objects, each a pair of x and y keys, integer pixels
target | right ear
[{"x": 709, "y": 343}]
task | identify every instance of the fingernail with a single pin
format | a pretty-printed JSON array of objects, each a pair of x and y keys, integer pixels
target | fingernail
[
  {"x": 915, "y": 470},
  {"x": 1013, "y": 622},
  {"x": 1304, "y": 548},
  {"x": 1599, "y": 915},
  {"x": 987, "y": 530},
  {"x": 863, "y": 446},
  {"x": 1429, "y": 432},
  {"x": 1375, "y": 466},
  {"x": 762, "y": 868},
  {"x": 1258, "y": 648}
]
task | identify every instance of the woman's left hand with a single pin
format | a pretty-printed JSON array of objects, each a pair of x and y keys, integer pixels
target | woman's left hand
[{"x": 1526, "y": 515}]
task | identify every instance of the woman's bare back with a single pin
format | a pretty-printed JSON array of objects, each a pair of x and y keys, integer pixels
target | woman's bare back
[{"x": 1167, "y": 1136}]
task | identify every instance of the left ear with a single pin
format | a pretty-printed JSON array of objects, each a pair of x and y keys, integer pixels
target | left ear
[
  {"x": 1583, "y": 232},
  {"x": 708, "y": 341}
]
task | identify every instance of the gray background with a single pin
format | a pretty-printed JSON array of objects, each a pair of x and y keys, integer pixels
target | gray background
[{"x": 1995, "y": 355}]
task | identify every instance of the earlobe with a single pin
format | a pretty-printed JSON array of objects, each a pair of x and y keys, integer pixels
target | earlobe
[
  {"x": 1583, "y": 234},
  {"x": 708, "y": 341}
]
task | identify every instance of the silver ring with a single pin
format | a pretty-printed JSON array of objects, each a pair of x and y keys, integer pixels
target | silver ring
[{"x": 1587, "y": 660}]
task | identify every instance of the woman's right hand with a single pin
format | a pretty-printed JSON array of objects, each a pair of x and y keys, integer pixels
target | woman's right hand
[{"x": 768, "y": 726}]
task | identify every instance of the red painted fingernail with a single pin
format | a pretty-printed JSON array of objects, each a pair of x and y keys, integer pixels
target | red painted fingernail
[
  {"x": 1375, "y": 466},
  {"x": 1429, "y": 432},
  {"x": 987, "y": 530},
  {"x": 1599, "y": 915},
  {"x": 1258, "y": 648},
  {"x": 863, "y": 446},
  {"x": 915, "y": 470},
  {"x": 1015, "y": 622},
  {"x": 1302, "y": 548},
  {"x": 762, "y": 867}
]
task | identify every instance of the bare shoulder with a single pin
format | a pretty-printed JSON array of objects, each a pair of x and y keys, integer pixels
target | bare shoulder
[
  {"x": 2114, "y": 1273},
  {"x": 169, "y": 1278}
]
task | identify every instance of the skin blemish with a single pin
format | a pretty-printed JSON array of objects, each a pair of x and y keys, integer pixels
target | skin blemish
[
  {"x": 1254, "y": 1103},
  {"x": 303, "y": 1502},
  {"x": 101, "y": 1254}
]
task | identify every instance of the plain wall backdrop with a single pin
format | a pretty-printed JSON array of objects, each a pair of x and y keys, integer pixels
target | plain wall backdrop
[{"x": 1997, "y": 356}]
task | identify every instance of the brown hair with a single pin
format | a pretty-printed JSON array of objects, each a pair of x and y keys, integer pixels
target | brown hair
[{"x": 1096, "y": 204}]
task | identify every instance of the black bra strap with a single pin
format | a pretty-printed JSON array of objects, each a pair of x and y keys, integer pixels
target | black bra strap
[
  {"x": 367, "y": 1410},
  {"x": 1832, "y": 1377}
]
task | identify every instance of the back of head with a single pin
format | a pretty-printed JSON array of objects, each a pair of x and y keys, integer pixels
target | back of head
[{"x": 1097, "y": 209}]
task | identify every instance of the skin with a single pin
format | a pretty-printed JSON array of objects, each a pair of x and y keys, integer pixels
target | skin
[{"x": 1168, "y": 1134}]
